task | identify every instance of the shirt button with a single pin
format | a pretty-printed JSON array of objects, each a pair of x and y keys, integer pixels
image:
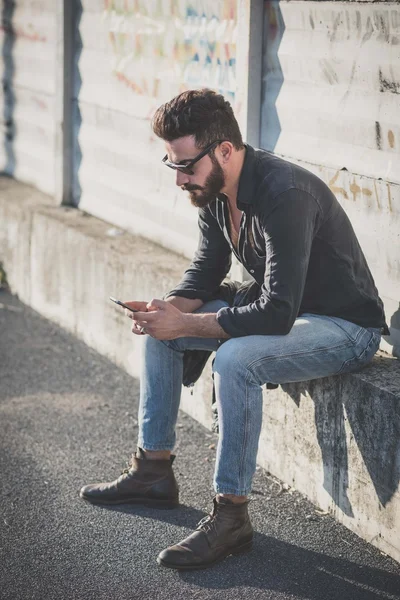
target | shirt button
[{"x": 251, "y": 270}]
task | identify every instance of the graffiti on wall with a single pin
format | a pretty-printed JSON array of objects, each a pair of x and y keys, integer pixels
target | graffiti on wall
[{"x": 162, "y": 47}]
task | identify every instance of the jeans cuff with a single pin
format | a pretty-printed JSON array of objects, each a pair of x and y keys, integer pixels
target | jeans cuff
[
  {"x": 222, "y": 490},
  {"x": 154, "y": 447}
]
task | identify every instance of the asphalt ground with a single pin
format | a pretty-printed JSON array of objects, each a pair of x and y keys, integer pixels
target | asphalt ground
[{"x": 68, "y": 417}]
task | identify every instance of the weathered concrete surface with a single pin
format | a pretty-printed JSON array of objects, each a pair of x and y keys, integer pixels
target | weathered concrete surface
[
  {"x": 135, "y": 56},
  {"x": 331, "y": 85},
  {"x": 337, "y": 440},
  {"x": 66, "y": 263},
  {"x": 28, "y": 98}
]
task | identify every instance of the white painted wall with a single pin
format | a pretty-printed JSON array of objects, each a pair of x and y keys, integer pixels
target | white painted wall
[
  {"x": 331, "y": 102},
  {"x": 29, "y": 66}
]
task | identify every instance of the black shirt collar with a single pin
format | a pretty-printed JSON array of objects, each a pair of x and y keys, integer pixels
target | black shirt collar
[{"x": 247, "y": 181}]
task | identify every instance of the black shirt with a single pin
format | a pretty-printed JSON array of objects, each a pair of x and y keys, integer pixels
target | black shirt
[{"x": 295, "y": 240}]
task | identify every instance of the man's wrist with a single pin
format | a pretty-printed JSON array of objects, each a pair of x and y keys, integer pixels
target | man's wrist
[{"x": 187, "y": 324}]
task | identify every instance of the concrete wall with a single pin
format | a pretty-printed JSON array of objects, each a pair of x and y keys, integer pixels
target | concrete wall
[
  {"x": 27, "y": 104},
  {"x": 135, "y": 56},
  {"x": 337, "y": 441},
  {"x": 331, "y": 102}
]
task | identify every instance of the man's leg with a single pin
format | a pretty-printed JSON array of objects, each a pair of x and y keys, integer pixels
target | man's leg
[
  {"x": 161, "y": 385},
  {"x": 316, "y": 347},
  {"x": 150, "y": 480}
]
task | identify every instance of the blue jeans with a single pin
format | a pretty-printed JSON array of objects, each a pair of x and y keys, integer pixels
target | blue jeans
[{"x": 317, "y": 346}]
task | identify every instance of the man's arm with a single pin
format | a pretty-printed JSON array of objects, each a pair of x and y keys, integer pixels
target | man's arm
[
  {"x": 185, "y": 305},
  {"x": 164, "y": 321},
  {"x": 204, "y": 325},
  {"x": 209, "y": 266},
  {"x": 289, "y": 229}
]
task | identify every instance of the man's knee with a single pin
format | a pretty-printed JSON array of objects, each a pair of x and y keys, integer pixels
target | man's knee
[
  {"x": 243, "y": 356},
  {"x": 229, "y": 357}
]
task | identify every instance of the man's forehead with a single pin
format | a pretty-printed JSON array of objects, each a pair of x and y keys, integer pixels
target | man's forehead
[{"x": 181, "y": 148}]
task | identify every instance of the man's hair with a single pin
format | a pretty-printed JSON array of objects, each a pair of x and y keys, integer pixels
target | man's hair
[{"x": 202, "y": 113}]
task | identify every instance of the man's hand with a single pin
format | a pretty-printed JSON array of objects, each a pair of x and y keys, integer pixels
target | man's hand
[
  {"x": 159, "y": 319},
  {"x": 163, "y": 321},
  {"x": 141, "y": 306}
]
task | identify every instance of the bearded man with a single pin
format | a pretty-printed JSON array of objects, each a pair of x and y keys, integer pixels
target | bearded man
[{"x": 317, "y": 313}]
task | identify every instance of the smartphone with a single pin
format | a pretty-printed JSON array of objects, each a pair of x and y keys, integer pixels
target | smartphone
[{"x": 122, "y": 304}]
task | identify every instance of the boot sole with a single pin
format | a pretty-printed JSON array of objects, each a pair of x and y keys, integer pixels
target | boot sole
[
  {"x": 149, "y": 502},
  {"x": 247, "y": 547}
]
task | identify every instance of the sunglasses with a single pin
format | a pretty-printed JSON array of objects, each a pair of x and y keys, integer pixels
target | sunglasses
[{"x": 188, "y": 167}]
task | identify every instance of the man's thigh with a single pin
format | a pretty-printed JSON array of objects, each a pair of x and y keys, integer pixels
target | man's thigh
[{"x": 317, "y": 346}]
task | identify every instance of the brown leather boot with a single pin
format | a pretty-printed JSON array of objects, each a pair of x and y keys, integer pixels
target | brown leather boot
[
  {"x": 148, "y": 482},
  {"x": 226, "y": 531}
]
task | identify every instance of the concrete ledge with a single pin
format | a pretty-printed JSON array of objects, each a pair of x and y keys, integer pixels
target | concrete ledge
[{"x": 337, "y": 439}]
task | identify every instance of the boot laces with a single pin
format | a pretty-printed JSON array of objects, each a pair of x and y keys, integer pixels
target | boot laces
[
  {"x": 206, "y": 524},
  {"x": 129, "y": 465}
]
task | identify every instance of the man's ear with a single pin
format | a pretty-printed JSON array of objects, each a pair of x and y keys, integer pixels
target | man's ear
[{"x": 226, "y": 149}]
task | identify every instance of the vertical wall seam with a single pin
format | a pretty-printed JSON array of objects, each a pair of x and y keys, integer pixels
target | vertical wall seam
[
  {"x": 72, "y": 156},
  {"x": 7, "y": 15}
]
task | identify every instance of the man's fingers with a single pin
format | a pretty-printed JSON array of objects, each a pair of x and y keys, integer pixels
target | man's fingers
[
  {"x": 136, "y": 304},
  {"x": 143, "y": 318},
  {"x": 151, "y": 307},
  {"x": 156, "y": 304},
  {"x": 137, "y": 330}
]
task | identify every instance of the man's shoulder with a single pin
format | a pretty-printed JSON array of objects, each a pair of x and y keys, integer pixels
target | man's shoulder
[{"x": 275, "y": 176}]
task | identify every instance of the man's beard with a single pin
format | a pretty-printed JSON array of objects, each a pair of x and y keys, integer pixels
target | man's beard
[{"x": 212, "y": 186}]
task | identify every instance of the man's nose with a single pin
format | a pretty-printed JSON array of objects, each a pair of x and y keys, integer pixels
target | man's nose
[{"x": 181, "y": 178}]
